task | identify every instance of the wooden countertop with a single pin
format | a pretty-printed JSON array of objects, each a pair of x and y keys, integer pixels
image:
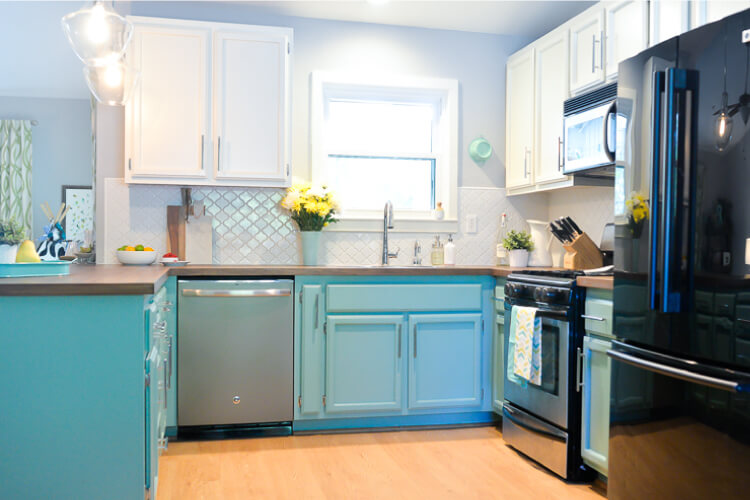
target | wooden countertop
[
  {"x": 116, "y": 279},
  {"x": 603, "y": 282}
]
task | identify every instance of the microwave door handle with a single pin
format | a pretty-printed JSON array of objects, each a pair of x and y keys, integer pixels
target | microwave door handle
[
  {"x": 655, "y": 191},
  {"x": 607, "y": 116}
]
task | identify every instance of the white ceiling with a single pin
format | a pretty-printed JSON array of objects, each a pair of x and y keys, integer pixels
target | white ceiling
[{"x": 530, "y": 18}]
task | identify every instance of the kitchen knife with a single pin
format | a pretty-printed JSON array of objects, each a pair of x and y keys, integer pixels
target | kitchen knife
[
  {"x": 569, "y": 231},
  {"x": 555, "y": 232},
  {"x": 575, "y": 226},
  {"x": 559, "y": 232}
]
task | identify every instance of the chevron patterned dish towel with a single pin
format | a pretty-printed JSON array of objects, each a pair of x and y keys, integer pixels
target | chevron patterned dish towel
[{"x": 527, "y": 358}]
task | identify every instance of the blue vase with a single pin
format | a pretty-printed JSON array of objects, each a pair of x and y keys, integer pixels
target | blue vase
[{"x": 310, "y": 245}]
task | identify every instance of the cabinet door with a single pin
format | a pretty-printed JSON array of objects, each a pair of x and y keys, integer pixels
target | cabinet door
[
  {"x": 445, "y": 360},
  {"x": 595, "y": 405},
  {"x": 586, "y": 50},
  {"x": 519, "y": 135},
  {"x": 667, "y": 19},
  {"x": 251, "y": 106},
  {"x": 551, "y": 91},
  {"x": 708, "y": 11},
  {"x": 364, "y": 363},
  {"x": 627, "y": 32},
  {"x": 168, "y": 117},
  {"x": 312, "y": 362},
  {"x": 498, "y": 361}
]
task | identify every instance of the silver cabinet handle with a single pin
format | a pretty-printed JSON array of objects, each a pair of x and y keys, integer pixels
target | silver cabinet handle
[
  {"x": 559, "y": 154},
  {"x": 317, "y": 299},
  {"x": 594, "y": 318},
  {"x": 678, "y": 373},
  {"x": 399, "y": 341},
  {"x": 601, "y": 50},
  {"x": 497, "y": 299},
  {"x": 218, "y": 154},
  {"x": 164, "y": 385},
  {"x": 203, "y": 140},
  {"x": 742, "y": 320},
  {"x": 526, "y": 152},
  {"x": 579, "y": 367},
  {"x": 169, "y": 360},
  {"x": 270, "y": 292},
  {"x": 593, "y": 53},
  {"x": 415, "y": 341}
]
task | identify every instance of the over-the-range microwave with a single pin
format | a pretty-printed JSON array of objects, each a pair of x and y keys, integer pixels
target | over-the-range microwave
[{"x": 590, "y": 133}]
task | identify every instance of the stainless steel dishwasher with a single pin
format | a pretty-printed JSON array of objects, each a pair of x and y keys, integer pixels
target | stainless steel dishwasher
[{"x": 235, "y": 357}]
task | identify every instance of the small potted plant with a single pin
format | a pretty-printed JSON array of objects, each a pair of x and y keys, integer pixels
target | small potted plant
[
  {"x": 518, "y": 244},
  {"x": 11, "y": 235},
  {"x": 312, "y": 208}
]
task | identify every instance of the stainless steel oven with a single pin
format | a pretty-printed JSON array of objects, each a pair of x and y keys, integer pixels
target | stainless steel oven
[
  {"x": 542, "y": 420},
  {"x": 590, "y": 132}
]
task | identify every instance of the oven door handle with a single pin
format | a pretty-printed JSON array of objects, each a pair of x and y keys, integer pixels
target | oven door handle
[{"x": 523, "y": 420}]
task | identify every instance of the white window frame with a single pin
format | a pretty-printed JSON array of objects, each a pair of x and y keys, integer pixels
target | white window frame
[{"x": 445, "y": 152}]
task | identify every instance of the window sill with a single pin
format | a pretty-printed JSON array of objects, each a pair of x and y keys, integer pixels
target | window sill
[{"x": 399, "y": 226}]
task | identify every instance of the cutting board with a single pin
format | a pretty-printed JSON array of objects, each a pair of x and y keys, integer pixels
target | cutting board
[{"x": 199, "y": 244}]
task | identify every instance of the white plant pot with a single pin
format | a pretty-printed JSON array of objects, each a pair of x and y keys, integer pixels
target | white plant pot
[
  {"x": 8, "y": 253},
  {"x": 518, "y": 258}
]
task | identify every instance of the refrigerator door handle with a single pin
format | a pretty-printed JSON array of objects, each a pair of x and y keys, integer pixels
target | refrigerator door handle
[
  {"x": 653, "y": 247},
  {"x": 679, "y": 83},
  {"x": 679, "y": 373}
]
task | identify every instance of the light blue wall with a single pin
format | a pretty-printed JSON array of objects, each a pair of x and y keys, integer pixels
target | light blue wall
[
  {"x": 61, "y": 147},
  {"x": 476, "y": 60}
]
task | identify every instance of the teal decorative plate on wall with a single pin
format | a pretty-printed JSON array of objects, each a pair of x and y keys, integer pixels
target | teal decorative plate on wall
[{"x": 480, "y": 150}]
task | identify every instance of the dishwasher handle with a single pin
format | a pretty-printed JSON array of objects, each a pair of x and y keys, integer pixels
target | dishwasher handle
[{"x": 265, "y": 292}]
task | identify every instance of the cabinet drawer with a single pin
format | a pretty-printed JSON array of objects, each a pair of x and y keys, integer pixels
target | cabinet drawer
[
  {"x": 407, "y": 298},
  {"x": 599, "y": 312},
  {"x": 724, "y": 304}
]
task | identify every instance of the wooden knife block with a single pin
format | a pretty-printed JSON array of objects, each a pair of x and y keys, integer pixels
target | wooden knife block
[{"x": 582, "y": 253}]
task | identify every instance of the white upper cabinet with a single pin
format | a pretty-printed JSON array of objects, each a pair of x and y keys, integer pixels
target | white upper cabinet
[
  {"x": 168, "y": 117},
  {"x": 551, "y": 90},
  {"x": 626, "y": 32},
  {"x": 519, "y": 130},
  {"x": 250, "y": 106},
  {"x": 668, "y": 18},
  {"x": 708, "y": 11},
  {"x": 213, "y": 105},
  {"x": 587, "y": 49}
]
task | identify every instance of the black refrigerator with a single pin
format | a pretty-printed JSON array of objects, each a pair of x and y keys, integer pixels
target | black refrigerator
[{"x": 680, "y": 386}]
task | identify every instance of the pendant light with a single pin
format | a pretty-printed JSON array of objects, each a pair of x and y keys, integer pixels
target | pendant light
[
  {"x": 113, "y": 83},
  {"x": 98, "y": 34},
  {"x": 724, "y": 122}
]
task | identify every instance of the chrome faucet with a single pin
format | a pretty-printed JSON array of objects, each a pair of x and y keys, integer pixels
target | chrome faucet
[{"x": 387, "y": 224}]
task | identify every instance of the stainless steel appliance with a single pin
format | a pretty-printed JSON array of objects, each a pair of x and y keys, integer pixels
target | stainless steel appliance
[
  {"x": 589, "y": 133},
  {"x": 543, "y": 421},
  {"x": 235, "y": 356},
  {"x": 680, "y": 394}
]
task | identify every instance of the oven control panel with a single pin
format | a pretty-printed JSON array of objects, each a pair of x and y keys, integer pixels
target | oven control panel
[{"x": 551, "y": 295}]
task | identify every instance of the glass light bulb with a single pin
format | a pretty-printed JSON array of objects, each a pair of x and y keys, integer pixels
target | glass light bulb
[
  {"x": 112, "y": 84},
  {"x": 723, "y": 130},
  {"x": 97, "y": 29},
  {"x": 113, "y": 75},
  {"x": 98, "y": 34}
]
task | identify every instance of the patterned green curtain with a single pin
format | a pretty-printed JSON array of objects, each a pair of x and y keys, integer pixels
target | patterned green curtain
[{"x": 15, "y": 172}]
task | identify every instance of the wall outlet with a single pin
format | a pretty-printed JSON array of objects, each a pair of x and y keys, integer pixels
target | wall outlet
[{"x": 471, "y": 223}]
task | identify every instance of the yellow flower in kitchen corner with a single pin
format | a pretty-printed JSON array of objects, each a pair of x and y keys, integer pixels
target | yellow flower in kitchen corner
[
  {"x": 311, "y": 207},
  {"x": 636, "y": 209}
]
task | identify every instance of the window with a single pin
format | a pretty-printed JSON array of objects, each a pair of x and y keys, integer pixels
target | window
[{"x": 380, "y": 141}]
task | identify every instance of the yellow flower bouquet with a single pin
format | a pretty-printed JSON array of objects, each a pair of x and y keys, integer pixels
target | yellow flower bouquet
[
  {"x": 637, "y": 211},
  {"x": 312, "y": 208}
]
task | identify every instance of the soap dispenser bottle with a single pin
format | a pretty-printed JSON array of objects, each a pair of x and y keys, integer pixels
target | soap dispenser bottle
[
  {"x": 436, "y": 257},
  {"x": 449, "y": 252}
]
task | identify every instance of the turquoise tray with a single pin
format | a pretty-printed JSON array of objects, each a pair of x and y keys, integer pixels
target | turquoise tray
[{"x": 26, "y": 269}]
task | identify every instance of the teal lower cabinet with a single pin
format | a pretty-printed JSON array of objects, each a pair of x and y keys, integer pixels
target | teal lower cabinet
[
  {"x": 498, "y": 348},
  {"x": 392, "y": 351},
  {"x": 445, "y": 360},
  {"x": 364, "y": 363},
  {"x": 84, "y": 389},
  {"x": 596, "y": 375}
]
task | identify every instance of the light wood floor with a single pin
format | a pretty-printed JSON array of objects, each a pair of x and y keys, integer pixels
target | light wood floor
[{"x": 424, "y": 464}]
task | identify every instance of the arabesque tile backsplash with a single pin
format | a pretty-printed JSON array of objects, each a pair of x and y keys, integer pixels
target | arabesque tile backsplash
[{"x": 251, "y": 228}]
